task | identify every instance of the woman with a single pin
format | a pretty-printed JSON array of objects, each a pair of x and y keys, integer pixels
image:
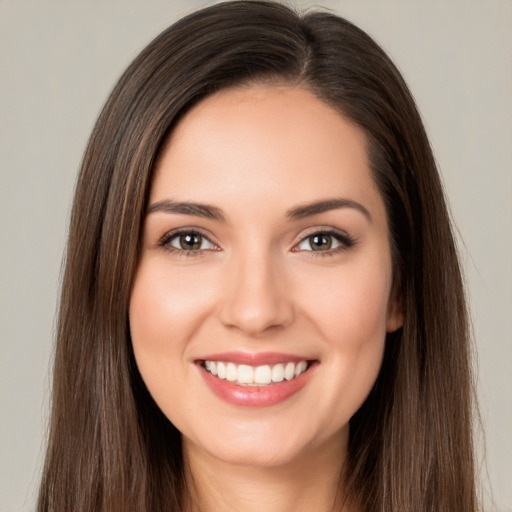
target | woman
[{"x": 262, "y": 305}]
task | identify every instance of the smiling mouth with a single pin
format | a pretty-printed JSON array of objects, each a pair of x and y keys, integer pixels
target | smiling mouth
[
  {"x": 263, "y": 375},
  {"x": 255, "y": 380}
]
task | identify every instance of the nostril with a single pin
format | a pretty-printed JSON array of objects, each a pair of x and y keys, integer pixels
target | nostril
[
  {"x": 254, "y": 316},
  {"x": 255, "y": 297}
]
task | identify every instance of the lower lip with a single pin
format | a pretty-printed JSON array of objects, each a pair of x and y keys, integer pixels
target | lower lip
[{"x": 256, "y": 396}]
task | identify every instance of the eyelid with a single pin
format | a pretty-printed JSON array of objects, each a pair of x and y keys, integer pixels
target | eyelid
[
  {"x": 346, "y": 241},
  {"x": 164, "y": 241}
]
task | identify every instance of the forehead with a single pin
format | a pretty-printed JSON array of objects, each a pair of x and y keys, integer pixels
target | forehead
[{"x": 264, "y": 143}]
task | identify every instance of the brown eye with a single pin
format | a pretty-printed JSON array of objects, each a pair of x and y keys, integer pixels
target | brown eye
[
  {"x": 190, "y": 241},
  {"x": 320, "y": 242},
  {"x": 326, "y": 242}
]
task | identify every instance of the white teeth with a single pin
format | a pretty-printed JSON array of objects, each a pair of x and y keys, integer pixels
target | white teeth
[
  {"x": 221, "y": 370},
  {"x": 211, "y": 366},
  {"x": 278, "y": 373},
  {"x": 263, "y": 375},
  {"x": 231, "y": 373},
  {"x": 244, "y": 374},
  {"x": 289, "y": 371},
  {"x": 300, "y": 368}
]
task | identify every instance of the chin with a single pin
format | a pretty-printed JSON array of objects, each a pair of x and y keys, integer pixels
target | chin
[
  {"x": 272, "y": 454},
  {"x": 264, "y": 446}
]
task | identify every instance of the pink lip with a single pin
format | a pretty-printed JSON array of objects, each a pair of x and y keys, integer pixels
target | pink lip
[
  {"x": 255, "y": 396},
  {"x": 254, "y": 359}
]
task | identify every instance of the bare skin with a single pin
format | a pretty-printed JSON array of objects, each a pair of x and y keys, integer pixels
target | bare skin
[
  {"x": 265, "y": 234},
  {"x": 304, "y": 485}
]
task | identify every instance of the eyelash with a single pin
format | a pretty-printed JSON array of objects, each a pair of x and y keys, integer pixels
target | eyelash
[
  {"x": 165, "y": 242},
  {"x": 346, "y": 242}
]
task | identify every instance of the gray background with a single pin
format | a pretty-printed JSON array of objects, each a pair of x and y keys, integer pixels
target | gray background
[{"x": 58, "y": 61}]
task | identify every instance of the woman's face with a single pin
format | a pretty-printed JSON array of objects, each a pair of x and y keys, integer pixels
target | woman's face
[{"x": 266, "y": 261}]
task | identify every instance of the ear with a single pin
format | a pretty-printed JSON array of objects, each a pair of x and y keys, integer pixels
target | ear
[{"x": 395, "y": 314}]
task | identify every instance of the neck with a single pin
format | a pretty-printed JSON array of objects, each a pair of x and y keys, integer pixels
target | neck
[{"x": 309, "y": 482}]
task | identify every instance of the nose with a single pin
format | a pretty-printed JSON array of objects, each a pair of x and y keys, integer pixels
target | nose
[{"x": 256, "y": 297}]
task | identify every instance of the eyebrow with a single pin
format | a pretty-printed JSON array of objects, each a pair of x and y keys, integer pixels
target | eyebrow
[
  {"x": 299, "y": 212},
  {"x": 317, "y": 207},
  {"x": 187, "y": 208}
]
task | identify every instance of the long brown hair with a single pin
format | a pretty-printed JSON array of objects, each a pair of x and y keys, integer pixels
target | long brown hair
[{"x": 110, "y": 447}]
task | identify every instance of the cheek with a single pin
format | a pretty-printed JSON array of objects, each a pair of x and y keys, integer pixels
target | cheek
[
  {"x": 351, "y": 305},
  {"x": 350, "y": 312},
  {"x": 165, "y": 307},
  {"x": 165, "y": 312}
]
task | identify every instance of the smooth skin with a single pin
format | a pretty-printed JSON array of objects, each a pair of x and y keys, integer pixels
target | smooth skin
[{"x": 252, "y": 277}]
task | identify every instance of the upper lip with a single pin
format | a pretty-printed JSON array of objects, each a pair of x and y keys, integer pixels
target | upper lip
[{"x": 254, "y": 359}]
